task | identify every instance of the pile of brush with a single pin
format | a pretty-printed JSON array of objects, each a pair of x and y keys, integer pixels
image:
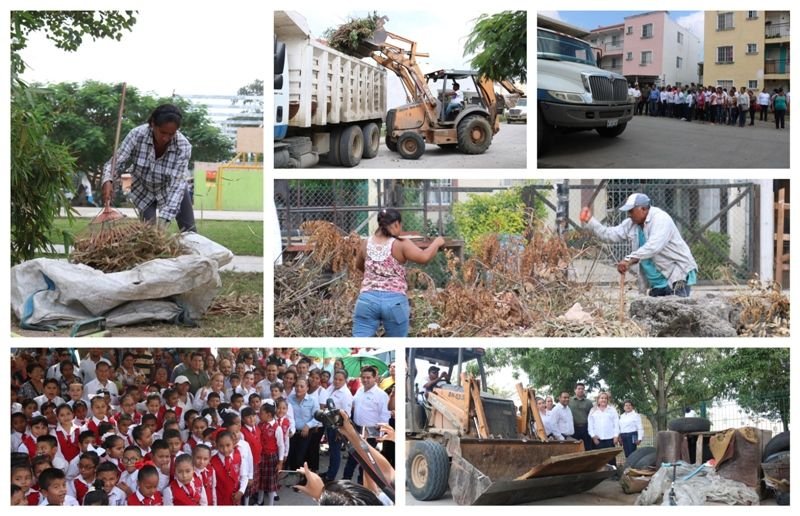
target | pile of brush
[
  {"x": 348, "y": 37},
  {"x": 120, "y": 247}
]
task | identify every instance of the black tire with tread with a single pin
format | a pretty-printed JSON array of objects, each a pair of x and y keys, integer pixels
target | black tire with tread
[
  {"x": 465, "y": 129},
  {"x": 372, "y": 140},
  {"x": 333, "y": 152},
  {"x": 351, "y": 146},
  {"x": 411, "y": 145},
  {"x": 777, "y": 444},
  {"x": 391, "y": 144},
  {"x": 634, "y": 458},
  {"x": 429, "y": 480},
  {"x": 689, "y": 424}
]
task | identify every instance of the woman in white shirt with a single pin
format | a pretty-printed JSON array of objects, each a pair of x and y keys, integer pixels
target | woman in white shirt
[
  {"x": 631, "y": 430},
  {"x": 604, "y": 425}
]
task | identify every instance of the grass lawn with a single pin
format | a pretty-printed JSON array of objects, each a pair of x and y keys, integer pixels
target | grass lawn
[
  {"x": 237, "y": 311},
  {"x": 242, "y": 237}
]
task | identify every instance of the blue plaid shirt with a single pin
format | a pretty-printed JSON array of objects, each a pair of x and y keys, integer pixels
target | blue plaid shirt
[{"x": 160, "y": 180}]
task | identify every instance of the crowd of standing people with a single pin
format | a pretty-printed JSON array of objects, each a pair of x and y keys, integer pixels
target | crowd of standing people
[
  {"x": 715, "y": 105},
  {"x": 597, "y": 424},
  {"x": 184, "y": 427}
]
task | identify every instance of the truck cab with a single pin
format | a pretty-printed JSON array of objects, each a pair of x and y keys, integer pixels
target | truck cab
[{"x": 573, "y": 94}]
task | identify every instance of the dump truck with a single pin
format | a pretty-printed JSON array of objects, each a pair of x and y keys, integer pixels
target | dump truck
[
  {"x": 466, "y": 439},
  {"x": 573, "y": 94},
  {"x": 328, "y": 105}
]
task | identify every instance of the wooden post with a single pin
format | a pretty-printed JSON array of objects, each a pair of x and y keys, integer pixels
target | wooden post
[
  {"x": 536, "y": 416},
  {"x": 780, "y": 237},
  {"x": 621, "y": 298}
]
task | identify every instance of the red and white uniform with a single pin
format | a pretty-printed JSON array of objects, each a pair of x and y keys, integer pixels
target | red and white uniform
[
  {"x": 68, "y": 444},
  {"x": 185, "y": 494},
  {"x": 137, "y": 499},
  {"x": 230, "y": 476}
]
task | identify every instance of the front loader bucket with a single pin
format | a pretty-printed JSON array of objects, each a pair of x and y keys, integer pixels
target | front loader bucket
[{"x": 507, "y": 472}]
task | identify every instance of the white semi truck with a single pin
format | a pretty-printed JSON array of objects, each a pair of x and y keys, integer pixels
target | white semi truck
[
  {"x": 328, "y": 105},
  {"x": 573, "y": 94}
]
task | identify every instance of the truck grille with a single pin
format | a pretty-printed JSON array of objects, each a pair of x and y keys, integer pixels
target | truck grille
[
  {"x": 605, "y": 88},
  {"x": 514, "y": 112}
]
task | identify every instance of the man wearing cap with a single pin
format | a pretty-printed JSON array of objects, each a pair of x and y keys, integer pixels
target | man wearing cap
[
  {"x": 194, "y": 373},
  {"x": 185, "y": 397},
  {"x": 434, "y": 379},
  {"x": 666, "y": 265}
]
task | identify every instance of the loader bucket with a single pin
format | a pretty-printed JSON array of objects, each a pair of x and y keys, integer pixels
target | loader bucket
[{"x": 507, "y": 472}]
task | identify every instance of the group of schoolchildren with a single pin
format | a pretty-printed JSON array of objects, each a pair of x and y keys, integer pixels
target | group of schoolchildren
[
  {"x": 716, "y": 105},
  {"x": 161, "y": 447}
]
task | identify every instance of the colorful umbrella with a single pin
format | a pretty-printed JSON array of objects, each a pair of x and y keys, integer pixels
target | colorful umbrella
[
  {"x": 354, "y": 363},
  {"x": 324, "y": 353}
]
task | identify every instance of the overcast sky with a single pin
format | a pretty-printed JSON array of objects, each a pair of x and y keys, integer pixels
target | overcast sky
[{"x": 170, "y": 49}]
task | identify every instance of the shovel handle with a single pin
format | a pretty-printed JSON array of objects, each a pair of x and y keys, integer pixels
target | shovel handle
[{"x": 621, "y": 298}]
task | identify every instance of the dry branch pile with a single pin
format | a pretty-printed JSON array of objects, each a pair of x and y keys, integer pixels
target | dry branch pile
[
  {"x": 516, "y": 286},
  {"x": 764, "y": 310},
  {"x": 123, "y": 246},
  {"x": 348, "y": 36}
]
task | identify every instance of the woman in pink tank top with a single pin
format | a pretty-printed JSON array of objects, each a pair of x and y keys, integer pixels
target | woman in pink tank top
[{"x": 382, "y": 257}]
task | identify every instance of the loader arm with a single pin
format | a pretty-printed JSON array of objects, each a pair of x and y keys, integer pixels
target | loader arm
[{"x": 487, "y": 90}]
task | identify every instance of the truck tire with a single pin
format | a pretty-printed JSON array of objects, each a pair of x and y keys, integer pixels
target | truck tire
[
  {"x": 428, "y": 470},
  {"x": 689, "y": 424},
  {"x": 637, "y": 456},
  {"x": 333, "y": 151},
  {"x": 777, "y": 444},
  {"x": 543, "y": 135},
  {"x": 474, "y": 135},
  {"x": 611, "y": 132},
  {"x": 372, "y": 140},
  {"x": 391, "y": 143},
  {"x": 411, "y": 145},
  {"x": 351, "y": 146}
]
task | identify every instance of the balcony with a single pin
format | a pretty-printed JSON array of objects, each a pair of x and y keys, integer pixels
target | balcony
[
  {"x": 612, "y": 48},
  {"x": 776, "y": 30},
  {"x": 776, "y": 66}
]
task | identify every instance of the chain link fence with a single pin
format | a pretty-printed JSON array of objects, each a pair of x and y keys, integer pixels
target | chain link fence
[{"x": 717, "y": 218}]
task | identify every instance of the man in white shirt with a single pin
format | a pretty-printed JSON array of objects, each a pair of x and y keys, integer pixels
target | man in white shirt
[
  {"x": 456, "y": 100},
  {"x": 370, "y": 410},
  {"x": 763, "y": 104},
  {"x": 101, "y": 382},
  {"x": 263, "y": 387},
  {"x": 89, "y": 364},
  {"x": 561, "y": 417},
  {"x": 54, "y": 371}
]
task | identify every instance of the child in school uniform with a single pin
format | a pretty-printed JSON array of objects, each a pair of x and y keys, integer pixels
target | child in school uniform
[
  {"x": 18, "y": 496},
  {"x": 227, "y": 465},
  {"x": 143, "y": 439},
  {"x": 19, "y": 425},
  {"x": 114, "y": 446},
  {"x": 272, "y": 443},
  {"x": 87, "y": 466},
  {"x": 162, "y": 460},
  {"x": 81, "y": 412},
  {"x": 67, "y": 433},
  {"x": 147, "y": 492},
  {"x": 252, "y": 436},
  {"x": 127, "y": 480},
  {"x": 85, "y": 440},
  {"x": 188, "y": 418},
  {"x": 53, "y": 485},
  {"x": 38, "y": 428},
  {"x": 199, "y": 426},
  {"x": 201, "y": 459},
  {"x": 99, "y": 415},
  {"x": 185, "y": 488},
  {"x": 22, "y": 476},
  {"x": 47, "y": 445},
  {"x": 108, "y": 477}
]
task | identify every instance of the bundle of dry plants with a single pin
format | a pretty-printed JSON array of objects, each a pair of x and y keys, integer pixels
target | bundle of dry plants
[
  {"x": 315, "y": 293},
  {"x": 123, "y": 246},
  {"x": 348, "y": 37},
  {"x": 764, "y": 310}
]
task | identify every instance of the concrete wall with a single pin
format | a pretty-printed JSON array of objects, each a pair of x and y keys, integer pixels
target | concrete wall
[
  {"x": 688, "y": 50},
  {"x": 745, "y": 67}
]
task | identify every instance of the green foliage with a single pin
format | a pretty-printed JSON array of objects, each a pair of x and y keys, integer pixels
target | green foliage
[
  {"x": 66, "y": 29},
  {"x": 709, "y": 263},
  {"x": 84, "y": 117},
  {"x": 501, "y": 42},
  {"x": 657, "y": 380},
  {"x": 752, "y": 376},
  {"x": 348, "y": 36},
  {"x": 41, "y": 174},
  {"x": 500, "y": 212}
]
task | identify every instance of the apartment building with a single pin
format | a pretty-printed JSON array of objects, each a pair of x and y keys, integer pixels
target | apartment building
[
  {"x": 747, "y": 48},
  {"x": 649, "y": 48}
]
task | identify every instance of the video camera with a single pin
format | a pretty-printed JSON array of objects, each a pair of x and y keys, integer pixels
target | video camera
[{"x": 330, "y": 416}]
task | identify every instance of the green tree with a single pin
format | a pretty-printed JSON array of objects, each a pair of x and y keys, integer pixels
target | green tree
[
  {"x": 657, "y": 380},
  {"x": 500, "y": 41},
  {"x": 254, "y": 89},
  {"x": 757, "y": 378},
  {"x": 41, "y": 168},
  {"x": 84, "y": 118}
]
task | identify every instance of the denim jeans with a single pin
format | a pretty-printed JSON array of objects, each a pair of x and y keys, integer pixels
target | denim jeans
[
  {"x": 683, "y": 290},
  {"x": 335, "y": 454},
  {"x": 184, "y": 218},
  {"x": 375, "y": 307},
  {"x": 629, "y": 442}
]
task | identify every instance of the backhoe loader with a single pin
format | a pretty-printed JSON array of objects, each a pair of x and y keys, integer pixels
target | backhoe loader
[
  {"x": 474, "y": 443},
  {"x": 469, "y": 128}
]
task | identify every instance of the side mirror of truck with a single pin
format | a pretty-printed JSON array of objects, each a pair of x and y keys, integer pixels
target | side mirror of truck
[{"x": 280, "y": 61}]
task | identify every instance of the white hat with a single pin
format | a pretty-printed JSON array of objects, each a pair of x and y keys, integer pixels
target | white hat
[
  {"x": 181, "y": 379},
  {"x": 634, "y": 200}
]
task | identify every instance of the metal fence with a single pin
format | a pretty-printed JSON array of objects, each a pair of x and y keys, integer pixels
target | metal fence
[{"x": 718, "y": 219}]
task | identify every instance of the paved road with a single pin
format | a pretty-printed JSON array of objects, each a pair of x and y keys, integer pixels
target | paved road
[
  {"x": 666, "y": 143},
  {"x": 508, "y": 150}
]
